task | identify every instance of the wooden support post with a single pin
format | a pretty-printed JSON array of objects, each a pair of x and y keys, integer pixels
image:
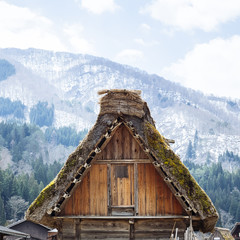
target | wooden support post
[
  {"x": 78, "y": 229},
  {"x": 131, "y": 234},
  {"x": 60, "y": 235},
  {"x": 59, "y": 228}
]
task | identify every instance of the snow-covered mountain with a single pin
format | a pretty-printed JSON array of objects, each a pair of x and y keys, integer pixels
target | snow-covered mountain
[{"x": 70, "y": 82}]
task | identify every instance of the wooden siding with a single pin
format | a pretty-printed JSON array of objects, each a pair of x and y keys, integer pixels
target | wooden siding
[
  {"x": 122, "y": 146},
  {"x": 90, "y": 196},
  {"x": 121, "y": 229},
  {"x": 114, "y": 187},
  {"x": 122, "y": 191},
  {"x": 154, "y": 196}
]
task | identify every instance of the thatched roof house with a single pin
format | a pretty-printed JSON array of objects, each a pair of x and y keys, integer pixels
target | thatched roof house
[
  {"x": 236, "y": 231},
  {"x": 124, "y": 174},
  {"x": 221, "y": 234}
]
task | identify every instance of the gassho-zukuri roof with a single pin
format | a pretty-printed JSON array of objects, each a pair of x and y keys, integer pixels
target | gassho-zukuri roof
[{"x": 119, "y": 107}]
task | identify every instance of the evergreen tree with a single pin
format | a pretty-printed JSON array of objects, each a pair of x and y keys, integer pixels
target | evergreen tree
[
  {"x": 6, "y": 69},
  {"x": 195, "y": 142},
  {"x": 2, "y": 212},
  {"x": 190, "y": 154},
  {"x": 237, "y": 216},
  {"x": 41, "y": 114}
]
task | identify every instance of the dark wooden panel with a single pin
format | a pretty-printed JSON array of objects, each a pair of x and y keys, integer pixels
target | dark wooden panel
[
  {"x": 90, "y": 196},
  {"x": 68, "y": 229},
  {"x": 154, "y": 196},
  {"x": 105, "y": 225},
  {"x": 158, "y": 229},
  {"x": 98, "y": 190},
  {"x": 104, "y": 229},
  {"x": 122, "y": 145},
  {"x": 122, "y": 185}
]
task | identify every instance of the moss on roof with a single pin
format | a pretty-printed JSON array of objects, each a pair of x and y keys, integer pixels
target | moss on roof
[
  {"x": 179, "y": 172},
  {"x": 226, "y": 234},
  {"x": 45, "y": 193}
]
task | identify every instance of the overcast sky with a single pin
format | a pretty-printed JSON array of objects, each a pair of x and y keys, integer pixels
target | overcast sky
[{"x": 193, "y": 42}]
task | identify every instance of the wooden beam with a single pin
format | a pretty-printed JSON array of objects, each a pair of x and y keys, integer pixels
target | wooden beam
[
  {"x": 119, "y": 161},
  {"x": 180, "y": 217}
]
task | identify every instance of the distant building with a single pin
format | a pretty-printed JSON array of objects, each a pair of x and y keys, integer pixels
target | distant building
[
  {"x": 6, "y": 233},
  {"x": 52, "y": 234},
  {"x": 236, "y": 231},
  {"x": 35, "y": 231},
  {"x": 124, "y": 182},
  {"x": 221, "y": 234}
]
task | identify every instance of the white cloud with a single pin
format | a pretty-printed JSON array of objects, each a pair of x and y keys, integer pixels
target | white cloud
[
  {"x": 213, "y": 67},
  {"x": 99, "y": 6},
  {"x": 129, "y": 56},
  {"x": 76, "y": 41},
  {"x": 145, "y": 27},
  {"x": 22, "y": 28},
  {"x": 193, "y": 14},
  {"x": 141, "y": 42}
]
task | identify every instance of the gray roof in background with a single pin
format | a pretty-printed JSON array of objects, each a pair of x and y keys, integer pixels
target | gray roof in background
[{"x": 10, "y": 232}]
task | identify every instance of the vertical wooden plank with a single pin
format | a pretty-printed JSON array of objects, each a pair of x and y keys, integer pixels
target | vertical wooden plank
[
  {"x": 121, "y": 142},
  {"x": 122, "y": 192},
  {"x": 150, "y": 187},
  {"x": 103, "y": 190},
  {"x": 94, "y": 176},
  {"x": 109, "y": 189},
  {"x": 78, "y": 229},
  {"x": 132, "y": 193},
  {"x": 141, "y": 189},
  {"x": 152, "y": 195},
  {"x": 109, "y": 149},
  {"x": 134, "y": 149},
  {"x": 167, "y": 199},
  {"x": 98, "y": 190},
  {"x": 135, "y": 189},
  {"x": 127, "y": 144},
  {"x": 68, "y": 207},
  {"x": 117, "y": 144},
  {"x": 84, "y": 196},
  {"x": 76, "y": 200},
  {"x": 131, "y": 234},
  {"x": 160, "y": 195},
  {"x": 114, "y": 200}
]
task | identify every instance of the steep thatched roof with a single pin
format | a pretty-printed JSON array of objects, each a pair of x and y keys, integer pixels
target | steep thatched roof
[
  {"x": 225, "y": 233},
  {"x": 125, "y": 107},
  {"x": 235, "y": 227}
]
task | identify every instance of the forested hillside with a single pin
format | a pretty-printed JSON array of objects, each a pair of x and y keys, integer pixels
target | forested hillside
[
  {"x": 59, "y": 89},
  {"x": 48, "y": 100},
  {"x": 18, "y": 189},
  {"x": 222, "y": 187},
  {"x": 24, "y": 143}
]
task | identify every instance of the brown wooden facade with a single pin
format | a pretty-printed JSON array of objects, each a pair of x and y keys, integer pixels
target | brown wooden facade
[
  {"x": 123, "y": 181},
  {"x": 122, "y": 196}
]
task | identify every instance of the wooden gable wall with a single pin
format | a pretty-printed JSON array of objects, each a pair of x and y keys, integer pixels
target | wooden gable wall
[{"x": 122, "y": 181}]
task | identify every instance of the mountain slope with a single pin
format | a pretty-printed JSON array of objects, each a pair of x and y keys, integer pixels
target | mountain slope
[{"x": 208, "y": 124}]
